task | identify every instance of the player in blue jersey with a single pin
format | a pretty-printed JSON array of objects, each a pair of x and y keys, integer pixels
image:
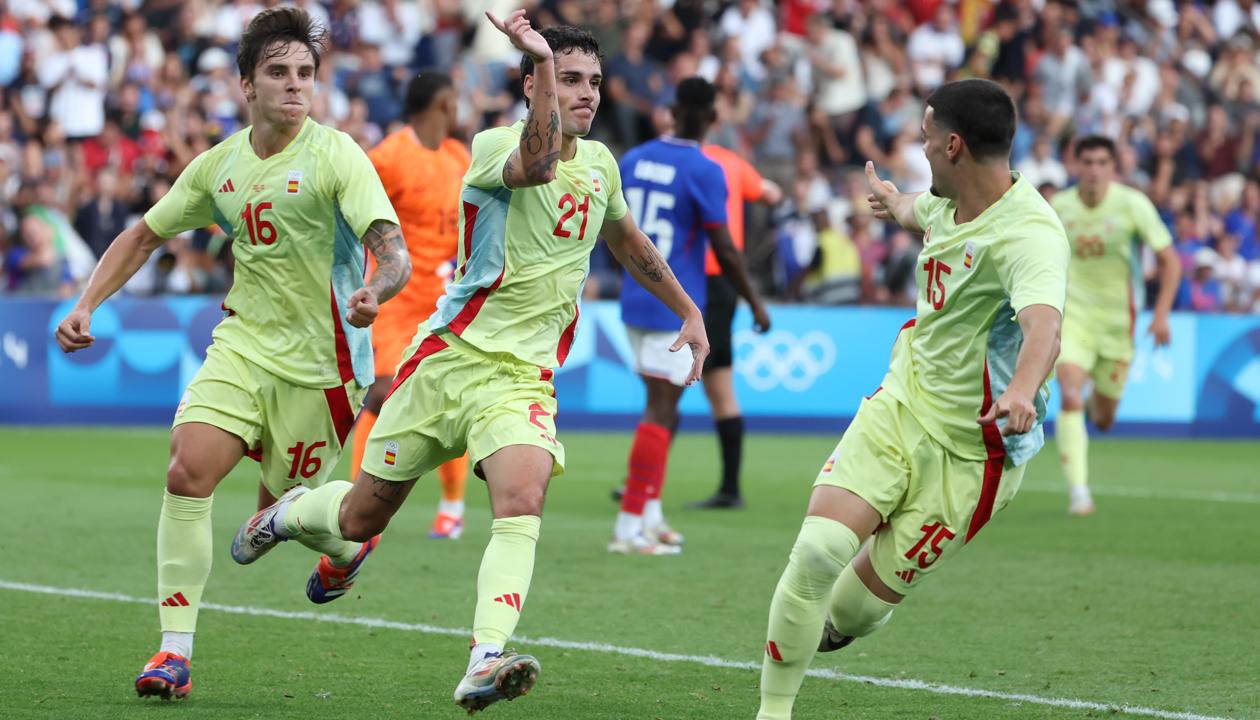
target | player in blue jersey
[{"x": 678, "y": 197}]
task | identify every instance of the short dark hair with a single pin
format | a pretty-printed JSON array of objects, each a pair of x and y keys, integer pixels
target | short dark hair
[
  {"x": 423, "y": 88},
  {"x": 1094, "y": 142},
  {"x": 693, "y": 107},
  {"x": 282, "y": 24},
  {"x": 563, "y": 39},
  {"x": 978, "y": 110}
]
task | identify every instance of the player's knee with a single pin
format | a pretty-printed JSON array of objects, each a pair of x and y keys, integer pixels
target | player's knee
[
  {"x": 855, "y": 610},
  {"x": 823, "y": 548},
  {"x": 1072, "y": 401},
  {"x": 186, "y": 480},
  {"x": 526, "y": 500},
  {"x": 1104, "y": 420},
  {"x": 359, "y": 526}
]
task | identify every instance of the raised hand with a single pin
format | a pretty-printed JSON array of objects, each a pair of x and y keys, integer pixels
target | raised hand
[
  {"x": 881, "y": 195},
  {"x": 523, "y": 36}
]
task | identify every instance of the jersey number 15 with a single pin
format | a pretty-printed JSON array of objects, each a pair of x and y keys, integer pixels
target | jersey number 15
[{"x": 647, "y": 216}]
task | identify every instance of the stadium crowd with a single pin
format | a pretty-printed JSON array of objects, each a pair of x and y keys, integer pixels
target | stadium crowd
[{"x": 105, "y": 101}]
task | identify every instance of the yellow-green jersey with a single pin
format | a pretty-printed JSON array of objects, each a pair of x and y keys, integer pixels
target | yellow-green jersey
[
  {"x": 958, "y": 354},
  {"x": 1105, "y": 286},
  {"x": 296, "y": 220},
  {"x": 525, "y": 252}
]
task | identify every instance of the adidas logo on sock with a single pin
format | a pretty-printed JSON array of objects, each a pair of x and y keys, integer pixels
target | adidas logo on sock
[
  {"x": 176, "y": 600},
  {"x": 773, "y": 651},
  {"x": 512, "y": 600}
]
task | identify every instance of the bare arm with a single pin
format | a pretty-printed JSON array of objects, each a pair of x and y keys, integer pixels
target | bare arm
[
  {"x": 640, "y": 257},
  {"x": 1169, "y": 282},
  {"x": 733, "y": 269},
  {"x": 393, "y": 267},
  {"x": 384, "y": 240},
  {"x": 1040, "y": 326},
  {"x": 889, "y": 204},
  {"x": 533, "y": 162},
  {"x": 771, "y": 193},
  {"x": 121, "y": 260}
]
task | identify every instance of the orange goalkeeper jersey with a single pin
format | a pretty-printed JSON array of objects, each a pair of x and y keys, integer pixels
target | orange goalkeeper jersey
[{"x": 424, "y": 187}]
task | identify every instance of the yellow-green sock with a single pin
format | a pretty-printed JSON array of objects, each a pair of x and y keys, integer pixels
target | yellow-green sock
[
  {"x": 184, "y": 553},
  {"x": 823, "y": 548},
  {"x": 317, "y": 512},
  {"x": 503, "y": 582},
  {"x": 1073, "y": 441},
  {"x": 341, "y": 552}
]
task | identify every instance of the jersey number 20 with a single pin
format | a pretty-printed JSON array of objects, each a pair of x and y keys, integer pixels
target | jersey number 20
[{"x": 647, "y": 216}]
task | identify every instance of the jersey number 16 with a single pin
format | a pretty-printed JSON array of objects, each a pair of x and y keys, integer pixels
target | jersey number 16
[{"x": 259, "y": 229}]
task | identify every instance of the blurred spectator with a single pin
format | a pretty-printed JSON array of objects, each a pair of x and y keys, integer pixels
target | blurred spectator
[
  {"x": 1063, "y": 72},
  {"x": 1205, "y": 288},
  {"x": 375, "y": 84},
  {"x": 634, "y": 80},
  {"x": 835, "y": 274},
  {"x": 1233, "y": 274},
  {"x": 840, "y": 89},
  {"x": 104, "y": 215},
  {"x": 74, "y": 75},
  {"x": 935, "y": 48},
  {"x": 1042, "y": 166},
  {"x": 753, "y": 24}
]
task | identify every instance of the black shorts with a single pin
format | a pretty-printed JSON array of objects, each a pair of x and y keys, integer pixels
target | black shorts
[{"x": 719, "y": 313}]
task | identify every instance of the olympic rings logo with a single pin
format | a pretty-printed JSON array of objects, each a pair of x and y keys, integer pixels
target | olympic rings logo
[{"x": 781, "y": 358}]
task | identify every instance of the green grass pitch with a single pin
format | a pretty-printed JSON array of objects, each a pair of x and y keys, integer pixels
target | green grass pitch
[{"x": 1151, "y": 603}]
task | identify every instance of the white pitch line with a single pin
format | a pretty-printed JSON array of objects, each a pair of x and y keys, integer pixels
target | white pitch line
[
  {"x": 708, "y": 660},
  {"x": 1163, "y": 494}
]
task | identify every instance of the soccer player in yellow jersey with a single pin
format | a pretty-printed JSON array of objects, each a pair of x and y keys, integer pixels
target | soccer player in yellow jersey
[
  {"x": 1105, "y": 221},
  {"x": 942, "y": 444},
  {"x": 291, "y": 359},
  {"x": 477, "y": 376}
]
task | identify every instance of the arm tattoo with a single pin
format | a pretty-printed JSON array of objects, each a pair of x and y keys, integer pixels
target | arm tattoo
[
  {"x": 652, "y": 265},
  {"x": 552, "y": 127},
  {"x": 533, "y": 136},
  {"x": 542, "y": 164},
  {"x": 390, "y": 493},
  {"x": 393, "y": 265}
]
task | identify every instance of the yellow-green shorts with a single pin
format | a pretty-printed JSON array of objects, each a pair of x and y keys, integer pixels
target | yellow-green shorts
[
  {"x": 1105, "y": 358},
  {"x": 932, "y": 501},
  {"x": 294, "y": 432},
  {"x": 449, "y": 397}
]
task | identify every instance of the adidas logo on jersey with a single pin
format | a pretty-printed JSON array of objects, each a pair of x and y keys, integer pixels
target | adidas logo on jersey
[
  {"x": 512, "y": 600},
  {"x": 227, "y": 187},
  {"x": 907, "y": 576}
]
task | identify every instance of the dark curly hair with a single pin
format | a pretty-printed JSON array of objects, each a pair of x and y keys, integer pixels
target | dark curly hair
[{"x": 272, "y": 29}]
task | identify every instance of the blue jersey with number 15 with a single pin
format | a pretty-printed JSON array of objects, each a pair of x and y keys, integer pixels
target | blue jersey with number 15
[{"x": 674, "y": 193}]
